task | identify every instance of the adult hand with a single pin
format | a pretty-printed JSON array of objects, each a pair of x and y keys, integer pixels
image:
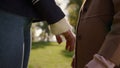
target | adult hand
[
  {"x": 73, "y": 62},
  {"x": 70, "y": 40}
]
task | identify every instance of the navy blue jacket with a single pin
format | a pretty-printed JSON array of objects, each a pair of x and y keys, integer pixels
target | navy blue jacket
[{"x": 44, "y": 10}]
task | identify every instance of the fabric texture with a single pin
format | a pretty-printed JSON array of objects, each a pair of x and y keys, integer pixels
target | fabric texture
[
  {"x": 95, "y": 20},
  {"x": 14, "y": 40},
  {"x": 48, "y": 10},
  {"x": 60, "y": 27},
  {"x": 25, "y": 8},
  {"x": 100, "y": 62}
]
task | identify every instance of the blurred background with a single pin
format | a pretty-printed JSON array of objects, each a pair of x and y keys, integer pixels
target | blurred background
[{"x": 46, "y": 52}]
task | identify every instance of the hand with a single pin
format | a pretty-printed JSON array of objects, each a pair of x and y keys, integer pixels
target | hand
[
  {"x": 70, "y": 40},
  {"x": 73, "y": 62}
]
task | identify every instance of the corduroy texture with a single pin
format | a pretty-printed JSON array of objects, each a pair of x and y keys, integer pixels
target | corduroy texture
[{"x": 96, "y": 17}]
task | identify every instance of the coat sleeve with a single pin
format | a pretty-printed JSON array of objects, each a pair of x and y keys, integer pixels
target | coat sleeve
[
  {"x": 48, "y": 10},
  {"x": 111, "y": 46}
]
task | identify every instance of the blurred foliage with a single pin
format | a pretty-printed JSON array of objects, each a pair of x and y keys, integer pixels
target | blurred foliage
[
  {"x": 78, "y": 2},
  {"x": 73, "y": 10},
  {"x": 45, "y": 34},
  {"x": 45, "y": 31}
]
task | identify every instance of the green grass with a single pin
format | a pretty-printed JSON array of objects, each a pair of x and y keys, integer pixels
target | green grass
[{"x": 49, "y": 55}]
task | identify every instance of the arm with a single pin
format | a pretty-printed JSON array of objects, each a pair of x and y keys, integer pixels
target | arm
[
  {"x": 62, "y": 27},
  {"x": 48, "y": 10},
  {"x": 110, "y": 49},
  {"x": 55, "y": 18}
]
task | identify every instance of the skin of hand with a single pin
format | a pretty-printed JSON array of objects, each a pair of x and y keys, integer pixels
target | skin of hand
[
  {"x": 70, "y": 40},
  {"x": 73, "y": 62}
]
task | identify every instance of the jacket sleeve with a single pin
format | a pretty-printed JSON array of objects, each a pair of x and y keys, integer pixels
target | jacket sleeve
[{"x": 48, "y": 10}]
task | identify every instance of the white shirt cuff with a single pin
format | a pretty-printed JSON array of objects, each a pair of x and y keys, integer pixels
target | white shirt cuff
[
  {"x": 60, "y": 27},
  {"x": 100, "y": 62},
  {"x": 103, "y": 61}
]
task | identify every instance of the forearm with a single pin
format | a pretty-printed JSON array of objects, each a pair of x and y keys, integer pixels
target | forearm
[
  {"x": 109, "y": 54},
  {"x": 111, "y": 46},
  {"x": 48, "y": 10}
]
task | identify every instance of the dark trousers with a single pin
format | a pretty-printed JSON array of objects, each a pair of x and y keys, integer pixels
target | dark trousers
[{"x": 14, "y": 40}]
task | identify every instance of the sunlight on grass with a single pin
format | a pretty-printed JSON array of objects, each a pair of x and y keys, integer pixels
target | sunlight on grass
[{"x": 49, "y": 55}]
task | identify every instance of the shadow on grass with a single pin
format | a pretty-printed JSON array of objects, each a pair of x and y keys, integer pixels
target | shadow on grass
[
  {"x": 67, "y": 53},
  {"x": 41, "y": 44}
]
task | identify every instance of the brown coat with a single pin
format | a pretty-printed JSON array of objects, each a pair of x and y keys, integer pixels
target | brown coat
[{"x": 96, "y": 17}]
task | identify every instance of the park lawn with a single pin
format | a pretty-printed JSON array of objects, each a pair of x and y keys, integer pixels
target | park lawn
[{"x": 49, "y": 55}]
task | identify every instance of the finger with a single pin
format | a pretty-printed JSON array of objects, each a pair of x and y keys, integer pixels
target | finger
[
  {"x": 70, "y": 45},
  {"x": 70, "y": 40},
  {"x": 58, "y": 38},
  {"x": 67, "y": 46},
  {"x": 73, "y": 63}
]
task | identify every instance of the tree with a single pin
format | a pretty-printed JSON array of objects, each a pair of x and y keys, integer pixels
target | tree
[
  {"x": 45, "y": 31},
  {"x": 73, "y": 10}
]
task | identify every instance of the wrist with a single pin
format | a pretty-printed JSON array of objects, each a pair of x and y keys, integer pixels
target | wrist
[
  {"x": 100, "y": 62},
  {"x": 60, "y": 27}
]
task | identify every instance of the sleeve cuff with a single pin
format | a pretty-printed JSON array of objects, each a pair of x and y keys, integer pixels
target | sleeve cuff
[
  {"x": 60, "y": 27},
  {"x": 105, "y": 62},
  {"x": 100, "y": 62}
]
